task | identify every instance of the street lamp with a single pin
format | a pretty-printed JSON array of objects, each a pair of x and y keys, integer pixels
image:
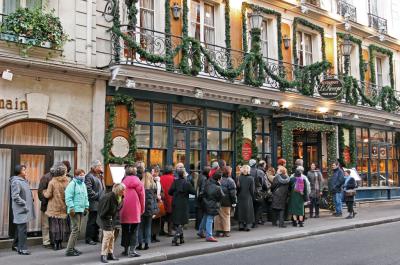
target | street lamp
[
  {"x": 346, "y": 48},
  {"x": 286, "y": 42},
  {"x": 176, "y": 11},
  {"x": 256, "y": 20}
]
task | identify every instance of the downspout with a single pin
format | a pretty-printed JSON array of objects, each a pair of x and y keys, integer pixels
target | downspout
[{"x": 89, "y": 13}]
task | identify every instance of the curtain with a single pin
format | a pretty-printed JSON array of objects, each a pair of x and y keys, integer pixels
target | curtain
[
  {"x": 209, "y": 32},
  {"x": 35, "y": 169},
  {"x": 195, "y": 19},
  {"x": 147, "y": 24},
  {"x": 33, "y": 3},
  {"x": 5, "y": 173},
  {"x": 65, "y": 156},
  {"x": 10, "y": 6}
]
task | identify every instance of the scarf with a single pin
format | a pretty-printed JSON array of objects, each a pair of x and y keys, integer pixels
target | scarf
[
  {"x": 299, "y": 184},
  {"x": 282, "y": 180}
]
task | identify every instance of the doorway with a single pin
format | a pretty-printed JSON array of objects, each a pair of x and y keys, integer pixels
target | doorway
[{"x": 307, "y": 146}]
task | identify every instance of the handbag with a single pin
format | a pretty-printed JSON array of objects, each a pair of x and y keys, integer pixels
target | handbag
[
  {"x": 350, "y": 193},
  {"x": 161, "y": 210}
]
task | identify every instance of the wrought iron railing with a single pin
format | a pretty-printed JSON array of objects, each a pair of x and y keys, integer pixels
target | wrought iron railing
[
  {"x": 314, "y": 2},
  {"x": 377, "y": 23},
  {"x": 370, "y": 90},
  {"x": 345, "y": 9}
]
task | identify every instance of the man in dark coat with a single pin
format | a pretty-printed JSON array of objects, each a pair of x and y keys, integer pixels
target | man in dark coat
[
  {"x": 201, "y": 182},
  {"x": 95, "y": 188},
  {"x": 260, "y": 191},
  {"x": 336, "y": 187},
  {"x": 44, "y": 182}
]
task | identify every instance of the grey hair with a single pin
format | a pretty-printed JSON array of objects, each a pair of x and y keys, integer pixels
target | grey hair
[
  {"x": 118, "y": 187},
  {"x": 300, "y": 168},
  {"x": 95, "y": 163},
  {"x": 59, "y": 169},
  {"x": 245, "y": 170}
]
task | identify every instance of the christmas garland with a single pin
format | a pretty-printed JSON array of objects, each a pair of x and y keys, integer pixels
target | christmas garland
[
  {"x": 372, "y": 54},
  {"x": 289, "y": 126},
  {"x": 352, "y": 145},
  {"x": 360, "y": 56},
  {"x": 247, "y": 114},
  {"x": 108, "y": 143},
  {"x": 306, "y": 23}
]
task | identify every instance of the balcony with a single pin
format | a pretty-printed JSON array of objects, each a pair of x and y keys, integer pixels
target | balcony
[
  {"x": 378, "y": 23},
  {"x": 314, "y": 2},
  {"x": 347, "y": 10}
]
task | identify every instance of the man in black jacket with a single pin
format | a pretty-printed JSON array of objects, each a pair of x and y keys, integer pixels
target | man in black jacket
[
  {"x": 336, "y": 187},
  {"x": 95, "y": 189},
  {"x": 44, "y": 182},
  {"x": 261, "y": 188}
]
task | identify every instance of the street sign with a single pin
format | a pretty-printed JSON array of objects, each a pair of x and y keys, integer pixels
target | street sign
[{"x": 330, "y": 88}]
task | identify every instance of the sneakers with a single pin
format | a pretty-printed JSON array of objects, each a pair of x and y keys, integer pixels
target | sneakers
[{"x": 211, "y": 239}]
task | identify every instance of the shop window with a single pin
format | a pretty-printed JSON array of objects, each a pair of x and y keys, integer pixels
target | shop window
[
  {"x": 185, "y": 115},
  {"x": 263, "y": 139},
  {"x": 142, "y": 110}
]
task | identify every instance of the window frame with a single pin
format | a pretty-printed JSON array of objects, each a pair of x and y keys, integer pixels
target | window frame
[
  {"x": 379, "y": 74},
  {"x": 202, "y": 24},
  {"x": 264, "y": 135}
]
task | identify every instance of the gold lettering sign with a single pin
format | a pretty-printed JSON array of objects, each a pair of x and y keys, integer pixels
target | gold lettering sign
[{"x": 9, "y": 104}]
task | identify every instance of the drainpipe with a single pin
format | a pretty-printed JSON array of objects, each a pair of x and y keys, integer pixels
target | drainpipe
[{"x": 89, "y": 6}]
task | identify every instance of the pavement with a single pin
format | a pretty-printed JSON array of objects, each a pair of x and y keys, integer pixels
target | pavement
[
  {"x": 370, "y": 215},
  {"x": 373, "y": 245}
]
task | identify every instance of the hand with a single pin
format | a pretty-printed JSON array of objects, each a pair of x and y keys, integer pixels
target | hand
[
  {"x": 86, "y": 212},
  {"x": 72, "y": 212},
  {"x": 233, "y": 205},
  {"x": 320, "y": 193}
]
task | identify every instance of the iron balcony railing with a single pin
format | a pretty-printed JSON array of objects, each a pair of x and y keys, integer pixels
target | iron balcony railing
[
  {"x": 345, "y": 9},
  {"x": 314, "y": 2},
  {"x": 377, "y": 23}
]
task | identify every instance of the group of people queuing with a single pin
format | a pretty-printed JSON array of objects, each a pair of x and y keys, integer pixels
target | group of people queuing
[{"x": 146, "y": 201}]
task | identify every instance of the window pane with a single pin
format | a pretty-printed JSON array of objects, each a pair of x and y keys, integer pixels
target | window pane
[
  {"x": 358, "y": 134},
  {"x": 160, "y": 137},
  {"x": 141, "y": 155},
  {"x": 266, "y": 125},
  {"x": 259, "y": 125},
  {"x": 33, "y": 3},
  {"x": 267, "y": 144},
  {"x": 211, "y": 156},
  {"x": 195, "y": 140},
  {"x": 158, "y": 157},
  {"x": 209, "y": 15},
  {"x": 307, "y": 43},
  {"x": 187, "y": 115},
  {"x": 227, "y": 120},
  {"x": 212, "y": 140},
  {"x": 227, "y": 140},
  {"x": 213, "y": 118},
  {"x": 159, "y": 113},
  {"x": 9, "y": 6},
  {"x": 142, "y": 110},
  {"x": 142, "y": 133},
  {"x": 259, "y": 143},
  {"x": 377, "y": 136},
  {"x": 179, "y": 139},
  {"x": 195, "y": 18},
  {"x": 179, "y": 156},
  {"x": 227, "y": 156}
]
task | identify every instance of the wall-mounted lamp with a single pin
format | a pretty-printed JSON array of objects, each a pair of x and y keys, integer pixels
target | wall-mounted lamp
[
  {"x": 365, "y": 66},
  {"x": 389, "y": 122},
  {"x": 356, "y": 117},
  {"x": 256, "y": 101},
  {"x": 275, "y": 104},
  {"x": 198, "y": 93},
  {"x": 286, "y": 42},
  {"x": 176, "y": 11}
]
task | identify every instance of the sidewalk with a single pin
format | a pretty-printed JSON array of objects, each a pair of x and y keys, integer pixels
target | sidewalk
[{"x": 367, "y": 216}]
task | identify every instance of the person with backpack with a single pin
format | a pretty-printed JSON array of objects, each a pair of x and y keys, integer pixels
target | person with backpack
[
  {"x": 77, "y": 201},
  {"x": 298, "y": 195},
  {"x": 350, "y": 185}
]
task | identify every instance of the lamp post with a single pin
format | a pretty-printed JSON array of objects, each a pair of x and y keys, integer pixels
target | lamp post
[
  {"x": 256, "y": 66},
  {"x": 346, "y": 48}
]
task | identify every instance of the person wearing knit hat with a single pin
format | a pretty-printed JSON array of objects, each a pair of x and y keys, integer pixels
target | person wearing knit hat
[
  {"x": 252, "y": 162},
  {"x": 214, "y": 168}
]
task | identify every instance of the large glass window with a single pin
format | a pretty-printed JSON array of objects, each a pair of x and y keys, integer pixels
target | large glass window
[
  {"x": 379, "y": 74},
  {"x": 146, "y": 11},
  {"x": 151, "y": 132},
  {"x": 263, "y": 139},
  {"x": 202, "y": 19},
  {"x": 304, "y": 48}
]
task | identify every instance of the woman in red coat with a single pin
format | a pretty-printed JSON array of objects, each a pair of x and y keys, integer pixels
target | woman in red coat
[
  {"x": 166, "y": 182},
  {"x": 132, "y": 209}
]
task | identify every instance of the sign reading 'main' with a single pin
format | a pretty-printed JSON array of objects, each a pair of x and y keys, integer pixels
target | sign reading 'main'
[{"x": 9, "y": 104}]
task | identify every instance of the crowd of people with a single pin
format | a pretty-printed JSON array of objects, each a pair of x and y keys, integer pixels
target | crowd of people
[{"x": 146, "y": 201}]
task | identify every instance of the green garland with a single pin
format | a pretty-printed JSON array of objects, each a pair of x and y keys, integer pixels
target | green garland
[
  {"x": 352, "y": 145},
  {"x": 247, "y": 114},
  {"x": 372, "y": 54},
  {"x": 228, "y": 42},
  {"x": 110, "y": 108},
  {"x": 289, "y": 126},
  {"x": 306, "y": 23},
  {"x": 360, "y": 56},
  {"x": 254, "y": 71}
]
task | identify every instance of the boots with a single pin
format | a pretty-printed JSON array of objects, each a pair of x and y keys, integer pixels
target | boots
[
  {"x": 125, "y": 252},
  {"x": 294, "y": 223},
  {"x": 103, "y": 259},
  {"x": 350, "y": 216},
  {"x": 181, "y": 239},
  {"x": 175, "y": 240},
  {"x": 301, "y": 223},
  {"x": 146, "y": 246},
  {"x": 111, "y": 256},
  {"x": 140, "y": 247},
  {"x": 134, "y": 254}
]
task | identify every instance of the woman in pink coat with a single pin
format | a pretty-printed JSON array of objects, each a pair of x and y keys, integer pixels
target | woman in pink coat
[{"x": 132, "y": 209}]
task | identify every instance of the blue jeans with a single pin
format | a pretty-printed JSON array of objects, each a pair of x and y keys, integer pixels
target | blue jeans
[
  {"x": 145, "y": 229},
  {"x": 202, "y": 225},
  {"x": 209, "y": 225},
  {"x": 338, "y": 202}
]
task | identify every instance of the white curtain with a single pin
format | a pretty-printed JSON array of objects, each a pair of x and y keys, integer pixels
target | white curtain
[
  {"x": 65, "y": 156},
  {"x": 10, "y": 6},
  {"x": 5, "y": 173},
  {"x": 33, "y": 3}
]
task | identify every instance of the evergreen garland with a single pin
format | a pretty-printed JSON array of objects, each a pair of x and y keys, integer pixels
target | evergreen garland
[
  {"x": 306, "y": 23},
  {"x": 116, "y": 24},
  {"x": 360, "y": 56},
  {"x": 246, "y": 114},
  {"x": 110, "y": 108},
  {"x": 289, "y": 126},
  {"x": 352, "y": 145},
  {"x": 228, "y": 41},
  {"x": 372, "y": 54},
  {"x": 168, "y": 41}
]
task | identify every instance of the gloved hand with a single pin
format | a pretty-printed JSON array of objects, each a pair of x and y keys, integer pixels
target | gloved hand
[
  {"x": 86, "y": 212},
  {"x": 72, "y": 212}
]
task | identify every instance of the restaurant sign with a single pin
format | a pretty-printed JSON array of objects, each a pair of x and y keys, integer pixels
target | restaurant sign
[{"x": 330, "y": 88}]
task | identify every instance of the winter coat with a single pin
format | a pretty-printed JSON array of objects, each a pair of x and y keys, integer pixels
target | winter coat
[
  {"x": 245, "y": 199},
  {"x": 55, "y": 192},
  {"x": 280, "y": 190},
  {"x": 107, "y": 211},
  {"x": 201, "y": 183},
  {"x": 296, "y": 199},
  {"x": 95, "y": 189},
  {"x": 43, "y": 184},
  {"x": 21, "y": 200},
  {"x": 213, "y": 195},
  {"x": 134, "y": 200},
  {"x": 228, "y": 187},
  {"x": 76, "y": 196},
  {"x": 337, "y": 180},
  {"x": 180, "y": 190},
  {"x": 260, "y": 184},
  {"x": 350, "y": 185},
  {"x": 166, "y": 183},
  {"x": 316, "y": 182},
  {"x": 150, "y": 205}
]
